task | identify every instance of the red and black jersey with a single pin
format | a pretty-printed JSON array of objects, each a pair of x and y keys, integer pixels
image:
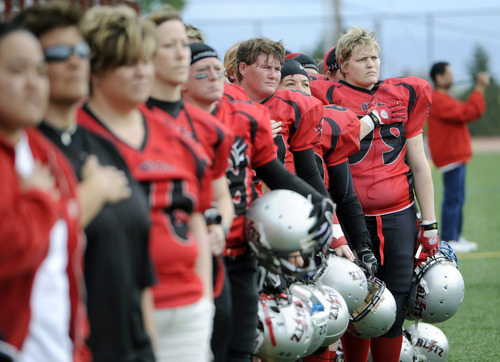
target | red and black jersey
[
  {"x": 322, "y": 89},
  {"x": 301, "y": 118},
  {"x": 215, "y": 139},
  {"x": 172, "y": 171},
  {"x": 234, "y": 92},
  {"x": 340, "y": 135},
  {"x": 382, "y": 179},
  {"x": 253, "y": 147}
]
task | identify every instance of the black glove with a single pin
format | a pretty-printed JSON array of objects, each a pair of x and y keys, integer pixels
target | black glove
[
  {"x": 367, "y": 259},
  {"x": 322, "y": 229}
]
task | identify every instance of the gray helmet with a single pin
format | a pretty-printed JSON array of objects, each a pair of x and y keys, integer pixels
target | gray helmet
[
  {"x": 277, "y": 225},
  {"x": 437, "y": 289},
  {"x": 345, "y": 277},
  {"x": 318, "y": 310},
  {"x": 338, "y": 317},
  {"x": 285, "y": 328},
  {"x": 376, "y": 315},
  {"x": 429, "y": 341}
]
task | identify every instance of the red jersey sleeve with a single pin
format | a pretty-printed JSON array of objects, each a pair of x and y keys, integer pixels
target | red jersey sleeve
[
  {"x": 308, "y": 132},
  {"x": 264, "y": 148},
  {"x": 346, "y": 125},
  {"x": 419, "y": 106},
  {"x": 215, "y": 138}
]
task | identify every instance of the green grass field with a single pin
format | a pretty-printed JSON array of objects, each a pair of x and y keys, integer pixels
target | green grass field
[{"x": 474, "y": 332}]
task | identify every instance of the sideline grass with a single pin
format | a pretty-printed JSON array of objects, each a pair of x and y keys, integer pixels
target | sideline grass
[{"x": 474, "y": 332}]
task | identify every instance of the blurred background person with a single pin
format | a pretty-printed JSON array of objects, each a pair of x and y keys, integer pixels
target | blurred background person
[
  {"x": 194, "y": 34},
  {"x": 41, "y": 283},
  {"x": 169, "y": 167},
  {"x": 450, "y": 147},
  {"x": 118, "y": 269}
]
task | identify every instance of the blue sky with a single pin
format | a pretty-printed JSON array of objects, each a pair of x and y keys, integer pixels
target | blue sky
[{"x": 412, "y": 34}]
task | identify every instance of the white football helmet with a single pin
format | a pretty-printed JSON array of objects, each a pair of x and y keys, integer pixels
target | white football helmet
[
  {"x": 377, "y": 313},
  {"x": 285, "y": 328},
  {"x": 345, "y": 277},
  {"x": 437, "y": 289},
  {"x": 311, "y": 296},
  {"x": 408, "y": 353},
  {"x": 338, "y": 319},
  {"x": 429, "y": 341},
  {"x": 277, "y": 226}
]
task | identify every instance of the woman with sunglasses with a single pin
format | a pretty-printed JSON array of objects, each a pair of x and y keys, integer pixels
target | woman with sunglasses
[
  {"x": 171, "y": 168},
  {"x": 118, "y": 269},
  {"x": 41, "y": 242}
]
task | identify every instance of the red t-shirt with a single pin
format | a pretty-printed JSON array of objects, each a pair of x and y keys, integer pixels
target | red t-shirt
[
  {"x": 382, "y": 179},
  {"x": 447, "y": 130},
  {"x": 171, "y": 169},
  {"x": 253, "y": 147}
]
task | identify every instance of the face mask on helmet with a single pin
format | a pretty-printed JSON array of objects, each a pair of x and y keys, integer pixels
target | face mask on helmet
[
  {"x": 345, "y": 277},
  {"x": 429, "y": 341},
  {"x": 377, "y": 313},
  {"x": 276, "y": 228},
  {"x": 437, "y": 289},
  {"x": 285, "y": 328}
]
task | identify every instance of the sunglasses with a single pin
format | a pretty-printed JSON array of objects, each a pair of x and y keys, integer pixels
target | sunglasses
[{"x": 60, "y": 53}]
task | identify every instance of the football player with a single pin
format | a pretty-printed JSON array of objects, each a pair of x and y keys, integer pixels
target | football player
[
  {"x": 169, "y": 165},
  {"x": 388, "y": 171}
]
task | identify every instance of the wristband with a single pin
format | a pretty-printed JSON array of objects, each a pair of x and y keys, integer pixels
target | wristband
[
  {"x": 375, "y": 119},
  {"x": 369, "y": 122},
  {"x": 429, "y": 225}
]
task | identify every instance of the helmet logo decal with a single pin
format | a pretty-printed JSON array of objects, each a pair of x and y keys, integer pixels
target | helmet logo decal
[
  {"x": 356, "y": 274},
  {"x": 420, "y": 304},
  {"x": 301, "y": 325},
  {"x": 430, "y": 345}
]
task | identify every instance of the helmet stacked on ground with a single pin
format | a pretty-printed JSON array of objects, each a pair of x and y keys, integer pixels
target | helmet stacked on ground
[{"x": 429, "y": 342}]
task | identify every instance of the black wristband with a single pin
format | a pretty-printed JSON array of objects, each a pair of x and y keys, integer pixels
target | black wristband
[
  {"x": 375, "y": 119},
  {"x": 432, "y": 226}
]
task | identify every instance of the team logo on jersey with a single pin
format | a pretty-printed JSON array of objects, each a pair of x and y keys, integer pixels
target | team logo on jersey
[{"x": 237, "y": 156}]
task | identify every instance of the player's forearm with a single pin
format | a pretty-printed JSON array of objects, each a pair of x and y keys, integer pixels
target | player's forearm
[{"x": 204, "y": 261}]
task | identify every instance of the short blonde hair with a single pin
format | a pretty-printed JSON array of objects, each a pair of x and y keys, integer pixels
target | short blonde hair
[
  {"x": 194, "y": 34},
  {"x": 355, "y": 36},
  {"x": 230, "y": 62},
  {"x": 163, "y": 14},
  {"x": 117, "y": 36}
]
